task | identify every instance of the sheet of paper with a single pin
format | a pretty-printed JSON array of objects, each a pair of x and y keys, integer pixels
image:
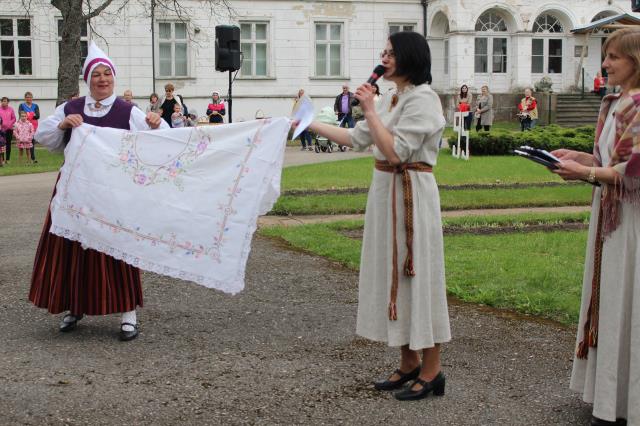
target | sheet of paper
[{"x": 304, "y": 114}]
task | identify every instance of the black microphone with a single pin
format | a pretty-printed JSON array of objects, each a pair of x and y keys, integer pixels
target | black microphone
[{"x": 375, "y": 75}]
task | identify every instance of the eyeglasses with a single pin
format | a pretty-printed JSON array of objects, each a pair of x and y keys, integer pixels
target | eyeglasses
[{"x": 389, "y": 53}]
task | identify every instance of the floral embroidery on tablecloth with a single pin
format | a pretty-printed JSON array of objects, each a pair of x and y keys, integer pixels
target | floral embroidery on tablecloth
[
  {"x": 136, "y": 168},
  {"x": 170, "y": 171}
]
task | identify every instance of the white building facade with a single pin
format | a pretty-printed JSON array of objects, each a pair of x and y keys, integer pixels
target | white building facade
[{"x": 315, "y": 45}]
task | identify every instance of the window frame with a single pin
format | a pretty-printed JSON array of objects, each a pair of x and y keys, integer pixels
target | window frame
[
  {"x": 173, "y": 41},
  {"x": 544, "y": 31},
  {"x": 343, "y": 49},
  {"x": 492, "y": 32},
  {"x": 445, "y": 54},
  {"x": 401, "y": 25},
  {"x": 16, "y": 38},
  {"x": 268, "y": 41}
]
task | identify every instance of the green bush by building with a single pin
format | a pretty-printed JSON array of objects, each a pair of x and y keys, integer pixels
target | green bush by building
[{"x": 502, "y": 142}]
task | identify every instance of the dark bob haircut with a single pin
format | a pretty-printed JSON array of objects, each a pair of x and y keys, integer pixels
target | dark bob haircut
[{"x": 413, "y": 57}]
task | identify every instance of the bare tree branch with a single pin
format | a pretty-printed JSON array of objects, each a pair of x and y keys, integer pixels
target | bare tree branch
[{"x": 101, "y": 8}]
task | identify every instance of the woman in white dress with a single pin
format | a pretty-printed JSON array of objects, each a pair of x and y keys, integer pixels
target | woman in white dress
[
  {"x": 402, "y": 294},
  {"x": 606, "y": 367}
]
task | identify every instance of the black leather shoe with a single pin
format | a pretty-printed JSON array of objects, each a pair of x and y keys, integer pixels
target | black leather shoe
[
  {"x": 436, "y": 386},
  {"x": 385, "y": 385},
  {"x": 125, "y": 335},
  {"x": 69, "y": 325},
  {"x": 599, "y": 422}
]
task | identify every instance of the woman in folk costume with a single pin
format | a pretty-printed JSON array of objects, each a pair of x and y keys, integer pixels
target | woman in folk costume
[
  {"x": 402, "y": 295},
  {"x": 606, "y": 368},
  {"x": 67, "y": 277},
  {"x": 216, "y": 109}
]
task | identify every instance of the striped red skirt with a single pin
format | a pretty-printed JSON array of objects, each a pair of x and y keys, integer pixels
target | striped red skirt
[{"x": 67, "y": 277}]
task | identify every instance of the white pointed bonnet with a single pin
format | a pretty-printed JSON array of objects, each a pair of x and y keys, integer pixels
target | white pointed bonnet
[{"x": 95, "y": 57}]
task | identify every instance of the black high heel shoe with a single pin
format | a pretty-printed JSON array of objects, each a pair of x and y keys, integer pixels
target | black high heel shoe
[
  {"x": 436, "y": 386},
  {"x": 385, "y": 385},
  {"x": 599, "y": 422},
  {"x": 66, "y": 326}
]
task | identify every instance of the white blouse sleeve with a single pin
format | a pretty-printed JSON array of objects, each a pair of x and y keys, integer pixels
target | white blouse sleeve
[
  {"x": 420, "y": 118},
  {"x": 138, "y": 120},
  {"x": 360, "y": 136},
  {"x": 48, "y": 133}
]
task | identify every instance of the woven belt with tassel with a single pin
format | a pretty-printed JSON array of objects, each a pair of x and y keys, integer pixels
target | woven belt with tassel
[
  {"x": 409, "y": 271},
  {"x": 590, "y": 338}
]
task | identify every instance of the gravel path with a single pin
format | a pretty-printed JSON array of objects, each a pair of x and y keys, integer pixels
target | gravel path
[{"x": 281, "y": 352}]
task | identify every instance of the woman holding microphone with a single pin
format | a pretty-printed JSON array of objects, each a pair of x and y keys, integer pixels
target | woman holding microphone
[{"x": 402, "y": 294}]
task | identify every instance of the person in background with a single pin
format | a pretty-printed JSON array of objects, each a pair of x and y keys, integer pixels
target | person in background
[
  {"x": 528, "y": 111},
  {"x": 306, "y": 140},
  {"x": 343, "y": 109},
  {"x": 599, "y": 85},
  {"x": 3, "y": 146},
  {"x": 464, "y": 101},
  {"x": 169, "y": 100},
  {"x": 177, "y": 119},
  {"x": 154, "y": 105},
  {"x": 128, "y": 97},
  {"x": 606, "y": 364},
  {"x": 402, "y": 296},
  {"x": 8, "y": 118},
  {"x": 216, "y": 109},
  {"x": 484, "y": 109},
  {"x": 33, "y": 115},
  {"x": 24, "y": 136}
]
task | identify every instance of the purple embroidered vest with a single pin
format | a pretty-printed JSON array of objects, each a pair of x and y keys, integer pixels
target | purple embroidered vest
[{"x": 117, "y": 117}]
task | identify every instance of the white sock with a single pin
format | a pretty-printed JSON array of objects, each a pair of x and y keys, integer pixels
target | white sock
[{"x": 129, "y": 317}]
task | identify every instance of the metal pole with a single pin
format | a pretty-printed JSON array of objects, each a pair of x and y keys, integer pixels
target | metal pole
[
  {"x": 230, "y": 101},
  {"x": 582, "y": 84},
  {"x": 153, "y": 44}
]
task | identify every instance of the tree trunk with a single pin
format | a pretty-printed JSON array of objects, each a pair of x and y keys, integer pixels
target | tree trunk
[{"x": 69, "y": 67}]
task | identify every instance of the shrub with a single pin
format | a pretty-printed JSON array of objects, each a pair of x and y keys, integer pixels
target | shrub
[{"x": 502, "y": 142}]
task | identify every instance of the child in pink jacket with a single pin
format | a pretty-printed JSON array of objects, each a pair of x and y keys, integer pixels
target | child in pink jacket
[{"x": 23, "y": 132}]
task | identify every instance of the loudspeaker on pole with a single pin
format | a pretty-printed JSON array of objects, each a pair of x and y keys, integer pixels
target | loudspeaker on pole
[{"x": 227, "y": 48}]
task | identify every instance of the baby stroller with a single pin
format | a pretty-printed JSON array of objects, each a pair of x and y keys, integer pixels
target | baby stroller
[{"x": 322, "y": 144}]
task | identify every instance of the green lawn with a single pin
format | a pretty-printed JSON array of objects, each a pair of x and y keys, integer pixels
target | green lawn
[
  {"x": 535, "y": 273},
  {"x": 47, "y": 162},
  {"x": 357, "y": 173},
  {"x": 450, "y": 200}
]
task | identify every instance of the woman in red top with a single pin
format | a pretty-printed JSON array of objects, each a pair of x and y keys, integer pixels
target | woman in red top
[
  {"x": 599, "y": 85},
  {"x": 215, "y": 110}
]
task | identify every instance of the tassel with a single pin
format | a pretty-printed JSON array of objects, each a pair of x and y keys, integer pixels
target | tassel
[
  {"x": 583, "y": 350},
  {"x": 393, "y": 311},
  {"x": 408, "y": 267}
]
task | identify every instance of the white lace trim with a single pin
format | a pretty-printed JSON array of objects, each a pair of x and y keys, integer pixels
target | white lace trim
[{"x": 233, "y": 287}]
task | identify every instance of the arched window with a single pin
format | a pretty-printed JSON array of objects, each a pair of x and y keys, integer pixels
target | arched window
[
  {"x": 546, "y": 47},
  {"x": 547, "y": 23},
  {"x": 491, "y": 21},
  {"x": 600, "y": 16},
  {"x": 491, "y": 25}
]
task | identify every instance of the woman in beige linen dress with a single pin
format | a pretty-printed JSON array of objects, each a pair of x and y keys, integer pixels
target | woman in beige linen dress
[
  {"x": 405, "y": 305},
  {"x": 606, "y": 367}
]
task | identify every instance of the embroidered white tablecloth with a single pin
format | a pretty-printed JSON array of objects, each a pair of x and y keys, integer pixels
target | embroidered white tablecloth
[{"x": 179, "y": 202}]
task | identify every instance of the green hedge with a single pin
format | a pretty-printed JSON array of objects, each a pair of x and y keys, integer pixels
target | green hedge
[{"x": 501, "y": 142}]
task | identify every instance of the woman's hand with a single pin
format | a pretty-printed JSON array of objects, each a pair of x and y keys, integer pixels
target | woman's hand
[
  {"x": 153, "y": 120},
  {"x": 571, "y": 170},
  {"x": 70, "y": 121},
  {"x": 569, "y": 154},
  {"x": 366, "y": 94}
]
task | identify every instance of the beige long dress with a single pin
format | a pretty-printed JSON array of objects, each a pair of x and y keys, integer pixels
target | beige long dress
[
  {"x": 610, "y": 376},
  {"x": 417, "y": 123}
]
